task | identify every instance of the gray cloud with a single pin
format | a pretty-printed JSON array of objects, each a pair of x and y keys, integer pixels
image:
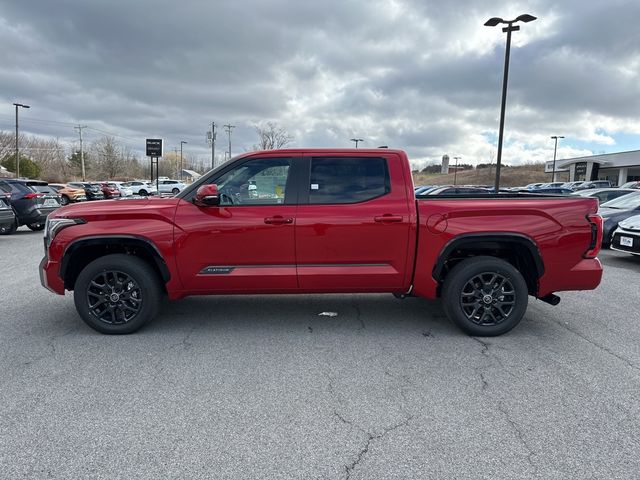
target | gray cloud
[{"x": 424, "y": 76}]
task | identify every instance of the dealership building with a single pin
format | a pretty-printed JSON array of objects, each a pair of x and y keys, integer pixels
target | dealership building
[{"x": 618, "y": 168}]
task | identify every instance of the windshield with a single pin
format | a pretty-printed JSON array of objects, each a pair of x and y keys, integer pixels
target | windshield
[{"x": 626, "y": 202}]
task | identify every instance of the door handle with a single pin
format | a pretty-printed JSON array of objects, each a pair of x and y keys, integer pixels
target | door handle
[
  {"x": 277, "y": 220},
  {"x": 388, "y": 218}
]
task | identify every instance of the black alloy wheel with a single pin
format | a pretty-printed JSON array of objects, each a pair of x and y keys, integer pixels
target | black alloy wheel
[
  {"x": 488, "y": 299},
  {"x": 117, "y": 294},
  {"x": 485, "y": 296},
  {"x": 113, "y": 297}
]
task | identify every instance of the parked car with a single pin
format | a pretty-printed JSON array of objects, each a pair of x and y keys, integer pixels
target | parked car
[
  {"x": 139, "y": 187},
  {"x": 108, "y": 189},
  {"x": 93, "y": 192},
  {"x": 572, "y": 185},
  {"x": 30, "y": 206},
  {"x": 533, "y": 186},
  {"x": 595, "y": 184},
  {"x": 426, "y": 189},
  {"x": 604, "y": 194},
  {"x": 633, "y": 184},
  {"x": 626, "y": 238},
  {"x": 552, "y": 185},
  {"x": 322, "y": 221},
  {"x": 171, "y": 186},
  {"x": 7, "y": 215},
  {"x": 124, "y": 190},
  {"x": 69, "y": 194},
  {"x": 614, "y": 211}
]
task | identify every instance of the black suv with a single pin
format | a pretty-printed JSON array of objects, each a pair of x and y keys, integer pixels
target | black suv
[
  {"x": 7, "y": 217},
  {"x": 93, "y": 192},
  {"x": 30, "y": 205}
]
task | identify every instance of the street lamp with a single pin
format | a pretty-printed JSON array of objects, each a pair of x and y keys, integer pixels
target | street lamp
[
  {"x": 17, "y": 148},
  {"x": 492, "y": 22},
  {"x": 455, "y": 172},
  {"x": 357, "y": 140},
  {"x": 555, "y": 147},
  {"x": 182, "y": 142}
]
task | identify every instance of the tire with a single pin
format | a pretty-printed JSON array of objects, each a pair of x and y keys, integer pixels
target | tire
[
  {"x": 143, "y": 192},
  {"x": 10, "y": 230},
  {"x": 117, "y": 294},
  {"x": 36, "y": 227},
  {"x": 175, "y": 191},
  {"x": 65, "y": 200},
  {"x": 472, "y": 301}
]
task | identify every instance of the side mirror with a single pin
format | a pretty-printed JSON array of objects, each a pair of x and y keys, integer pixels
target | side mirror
[{"x": 207, "y": 196}]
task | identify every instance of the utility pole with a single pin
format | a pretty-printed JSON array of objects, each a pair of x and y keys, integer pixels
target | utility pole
[
  {"x": 213, "y": 144},
  {"x": 17, "y": 146},
  {"x": 228, "y": 129},
  {"x": 182, "y": 142},
  {"x": 175, "y": 149},
  {"x": 555, "y": 147},
  {"x": 79, "y": 128},
  {"x": 455, "y": 172}
]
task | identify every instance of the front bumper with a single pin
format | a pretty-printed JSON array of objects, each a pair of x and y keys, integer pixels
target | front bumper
[
  {"x": 634, "y": 236},
  {"x": 50, "y": 276}
]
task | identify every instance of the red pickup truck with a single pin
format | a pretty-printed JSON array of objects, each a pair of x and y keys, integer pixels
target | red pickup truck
[{"x": 322, "y": 221}]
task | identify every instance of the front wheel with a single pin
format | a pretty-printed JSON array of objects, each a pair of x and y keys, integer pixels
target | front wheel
[
  {"x": 175, "y": 191},
  {"x": 117, "y": 294},
  {"x": 36, "y": 227},
  {"x": 64, "y": 200},
  {"x": 485, "y": 296}
]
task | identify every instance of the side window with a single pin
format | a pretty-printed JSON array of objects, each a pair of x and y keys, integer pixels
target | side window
[
  {"x": 348, "y": 179},
  {"x": 255, "y": 182}
]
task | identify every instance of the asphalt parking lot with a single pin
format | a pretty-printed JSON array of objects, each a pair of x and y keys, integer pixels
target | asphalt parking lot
[{"x": 264, "y": 387}]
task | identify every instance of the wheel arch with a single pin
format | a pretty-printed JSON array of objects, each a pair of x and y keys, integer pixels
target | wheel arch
[
  {"x": 519, "y": 250},
  {"x": 85, "y": 250}
]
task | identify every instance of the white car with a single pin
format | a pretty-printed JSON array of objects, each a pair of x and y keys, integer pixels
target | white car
[
  {"x": 171, "y": 186},
  {"x": 139, "y": 187},
  {"x": 125, "y": 191}
]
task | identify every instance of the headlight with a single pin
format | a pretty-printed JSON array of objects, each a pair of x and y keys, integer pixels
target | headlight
[{"x": 54, "y": 225}]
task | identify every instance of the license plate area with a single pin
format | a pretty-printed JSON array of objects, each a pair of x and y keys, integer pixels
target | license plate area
[
  {"x": 50, "y": 202},
  {"x": 626, "y": 241}
]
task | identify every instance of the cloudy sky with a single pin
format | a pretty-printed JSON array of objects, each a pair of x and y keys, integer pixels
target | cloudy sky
[{"x": 420, "y": 75}]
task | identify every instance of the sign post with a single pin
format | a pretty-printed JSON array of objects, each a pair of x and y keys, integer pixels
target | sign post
[{"x": 154, "y": 151}]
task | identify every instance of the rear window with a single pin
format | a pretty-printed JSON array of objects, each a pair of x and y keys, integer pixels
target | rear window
[
  {"x": 43, "y": 189},
  {"x": 347, "y": 179}
]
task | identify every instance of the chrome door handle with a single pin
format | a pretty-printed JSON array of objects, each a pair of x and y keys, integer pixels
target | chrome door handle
[
  {"x": 388, "y": 218},
  {"x": 277, "y": 220}
]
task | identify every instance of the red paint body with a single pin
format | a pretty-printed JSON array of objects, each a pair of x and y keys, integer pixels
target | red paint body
[{"x": 388, "y": 244}]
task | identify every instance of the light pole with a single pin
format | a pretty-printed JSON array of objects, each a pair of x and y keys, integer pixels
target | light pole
[
  {"x": 492, "y": 22},
  {"x": 357, "y": 140},
  {"x": 555, "y": 148},
  {"x": 17, "y": 147},
  {"x": 455, "y": 172},
  {"x": 182, "y": 142}
]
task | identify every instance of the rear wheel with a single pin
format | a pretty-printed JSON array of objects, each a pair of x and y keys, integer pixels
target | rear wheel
[
  {"x": 175, "y": 191},
  {"x": 117, "y": 294},
  {"x": 143, "y": 192},
  {"x": 485, "y": 296},
  {"x": 9, "y": 230},
  {"x": 36, "y": 227}
]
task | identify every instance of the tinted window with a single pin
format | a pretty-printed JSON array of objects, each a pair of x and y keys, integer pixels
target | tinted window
[
  {"x": 44, "y": 189},
  {"x": 347, "y": 179},
  {"x": 256, "y": 182}
]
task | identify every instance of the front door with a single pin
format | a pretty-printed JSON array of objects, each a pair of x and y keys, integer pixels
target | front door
[{"x": 246, "y": 244}]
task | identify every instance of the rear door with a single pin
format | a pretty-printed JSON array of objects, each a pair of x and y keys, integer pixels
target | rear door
[{"x": 353, "y": 223}]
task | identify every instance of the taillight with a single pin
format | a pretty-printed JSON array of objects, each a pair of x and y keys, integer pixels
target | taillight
[
  {"x": 595, "y": 245},
  {"x": 31, "y": 196}
]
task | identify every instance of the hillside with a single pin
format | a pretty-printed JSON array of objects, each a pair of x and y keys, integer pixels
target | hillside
[{"x": 509, "y": 176}]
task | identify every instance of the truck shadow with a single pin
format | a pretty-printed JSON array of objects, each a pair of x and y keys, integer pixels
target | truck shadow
[{"x": 308, "y": 313}]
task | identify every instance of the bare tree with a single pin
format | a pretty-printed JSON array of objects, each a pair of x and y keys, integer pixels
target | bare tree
[
  {"x": 271, "y": 136},
  {"x": 108, "y": 156}
]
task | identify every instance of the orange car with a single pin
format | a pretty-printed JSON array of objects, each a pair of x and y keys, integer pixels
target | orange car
[{"x": 69, "y": 194}]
